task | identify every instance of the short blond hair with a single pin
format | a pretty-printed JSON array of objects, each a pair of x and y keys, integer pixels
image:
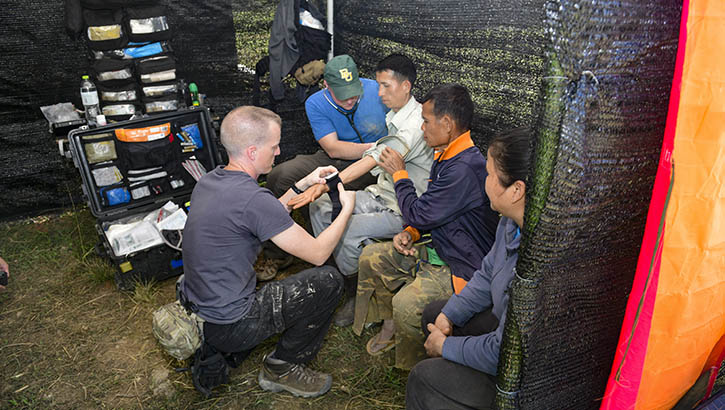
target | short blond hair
[{"x": 246, "y": 126}]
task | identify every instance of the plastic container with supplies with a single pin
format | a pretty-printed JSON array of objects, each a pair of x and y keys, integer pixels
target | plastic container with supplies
[{"x": 137, "y": 175}]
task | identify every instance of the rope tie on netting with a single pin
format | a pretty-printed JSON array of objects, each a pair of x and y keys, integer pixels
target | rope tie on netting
[
  {"x": 588, "y": 73},
  {"x": 521, "y": 278},
  {"x": 591, "y": 74},
  {"x": 509, "y": 394}
]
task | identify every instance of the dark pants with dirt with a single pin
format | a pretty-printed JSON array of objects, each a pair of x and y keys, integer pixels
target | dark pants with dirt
[
  {"x": 438, "y": 383},
  {"x": 287, "y": 173},
  {"x": 299, "y": 307},
  {"x": 398, "y": 287}
]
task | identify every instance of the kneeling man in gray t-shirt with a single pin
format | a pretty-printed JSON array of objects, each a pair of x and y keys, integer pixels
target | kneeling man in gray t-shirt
[{"x": 230, "y": 217}]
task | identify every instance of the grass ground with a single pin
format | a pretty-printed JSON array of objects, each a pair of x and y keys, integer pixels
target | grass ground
[{"x": 69, "y": 339}]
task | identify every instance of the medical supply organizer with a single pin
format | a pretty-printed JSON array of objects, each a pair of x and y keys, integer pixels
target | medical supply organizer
[{"x": 137, "y": 176}]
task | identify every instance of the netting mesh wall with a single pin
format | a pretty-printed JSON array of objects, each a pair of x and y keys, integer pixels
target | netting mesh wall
[
  {"x": 37, "y": 69},
  {"x": 605, "y": 104},
  {"x": 494, "y": 48}
]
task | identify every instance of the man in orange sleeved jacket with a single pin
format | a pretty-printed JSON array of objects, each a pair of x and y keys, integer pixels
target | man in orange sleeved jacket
[{"x": 396, "y": 280}]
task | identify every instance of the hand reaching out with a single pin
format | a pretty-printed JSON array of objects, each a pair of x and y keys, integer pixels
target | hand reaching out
[{"x": 309, "y": 196}]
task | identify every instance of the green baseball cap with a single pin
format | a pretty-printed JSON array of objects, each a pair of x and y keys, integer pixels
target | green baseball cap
[{"x": 342, "y": 77}]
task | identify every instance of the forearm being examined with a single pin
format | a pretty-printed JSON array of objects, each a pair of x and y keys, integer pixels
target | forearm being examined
[
  {"x": 357, "y": 169},
  {"x": 343, "y": 149}
]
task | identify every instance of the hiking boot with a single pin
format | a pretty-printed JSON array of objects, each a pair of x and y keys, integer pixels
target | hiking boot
[
  {"x": 277, "y": 375},
  {"x": 267, "y": 268},
  {"x": 346, "y": 314}
]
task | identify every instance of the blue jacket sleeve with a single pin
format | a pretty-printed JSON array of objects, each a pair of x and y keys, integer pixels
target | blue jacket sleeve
[
  {"x": 451, "y": 194},
  {"x": 478, "y": 352}
]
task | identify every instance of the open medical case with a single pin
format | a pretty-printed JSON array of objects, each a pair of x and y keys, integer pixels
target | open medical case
[{"x": 137, "y": 175}]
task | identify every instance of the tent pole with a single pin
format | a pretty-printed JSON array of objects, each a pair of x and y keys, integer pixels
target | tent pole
[{"x": 330, "y": 28}]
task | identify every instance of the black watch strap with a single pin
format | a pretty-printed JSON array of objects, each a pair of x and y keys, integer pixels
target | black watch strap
[{"x": 295, "y": 189}]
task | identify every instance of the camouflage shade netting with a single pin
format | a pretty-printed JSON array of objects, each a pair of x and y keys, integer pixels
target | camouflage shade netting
[
  {"x": 605, "y": 96},
  {"x": 494, "y": 48},
  {"x": 41, "y": 66}
]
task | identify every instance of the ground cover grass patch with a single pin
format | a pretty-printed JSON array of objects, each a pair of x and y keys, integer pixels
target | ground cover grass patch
[{"x": 69, "y": 339}]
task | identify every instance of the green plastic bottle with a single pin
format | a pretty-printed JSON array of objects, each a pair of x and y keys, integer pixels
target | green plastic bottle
[{"x": 194, "y": 94}]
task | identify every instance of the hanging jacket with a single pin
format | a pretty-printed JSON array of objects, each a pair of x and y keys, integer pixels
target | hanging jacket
[{"x": 290, "y": 43}]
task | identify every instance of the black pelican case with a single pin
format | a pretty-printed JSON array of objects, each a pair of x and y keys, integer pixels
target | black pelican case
[{"x": 125, "y": 178}]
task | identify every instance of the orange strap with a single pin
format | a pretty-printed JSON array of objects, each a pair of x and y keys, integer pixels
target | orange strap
[{"x": 155, "y": 132}]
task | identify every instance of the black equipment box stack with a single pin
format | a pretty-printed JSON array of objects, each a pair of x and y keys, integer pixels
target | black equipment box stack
[{"x": 137, "y": 177}]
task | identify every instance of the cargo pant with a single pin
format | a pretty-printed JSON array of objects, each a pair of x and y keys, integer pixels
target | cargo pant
[
  {"x": 398, "y": 287},
  {"x": 298, "y": 307}
]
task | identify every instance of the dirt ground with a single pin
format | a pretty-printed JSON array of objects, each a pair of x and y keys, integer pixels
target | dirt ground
[{"x": 69, "y": 339}]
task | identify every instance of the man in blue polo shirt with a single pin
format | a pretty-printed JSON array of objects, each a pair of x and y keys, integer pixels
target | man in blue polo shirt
[{"x": 346, "y": 117}]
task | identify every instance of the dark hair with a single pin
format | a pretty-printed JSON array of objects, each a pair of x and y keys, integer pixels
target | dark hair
[
  {"x": 453, "y": 100},
  {"x": 512, "y": 153},
  {"x": 401, "y": 66}
]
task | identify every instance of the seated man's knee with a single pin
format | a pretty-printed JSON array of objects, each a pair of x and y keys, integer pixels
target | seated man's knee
[
  {"x": 407, "y": 306},
  {"x": 418, "y": 386},
  {"x": 372, "y": 253},
  {"x": 281, "y": 177}
]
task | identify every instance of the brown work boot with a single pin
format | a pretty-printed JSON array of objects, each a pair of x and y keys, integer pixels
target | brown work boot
[
  {"x": 277, "y": 375},
  {"x": 267, "y": 268}
]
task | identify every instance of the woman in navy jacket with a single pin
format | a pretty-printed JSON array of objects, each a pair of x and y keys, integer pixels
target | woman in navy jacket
[{"x": 464, "y": 333}]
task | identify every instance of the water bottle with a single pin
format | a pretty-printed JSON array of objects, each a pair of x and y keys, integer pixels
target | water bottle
[{"x": 89, "y": 95}]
